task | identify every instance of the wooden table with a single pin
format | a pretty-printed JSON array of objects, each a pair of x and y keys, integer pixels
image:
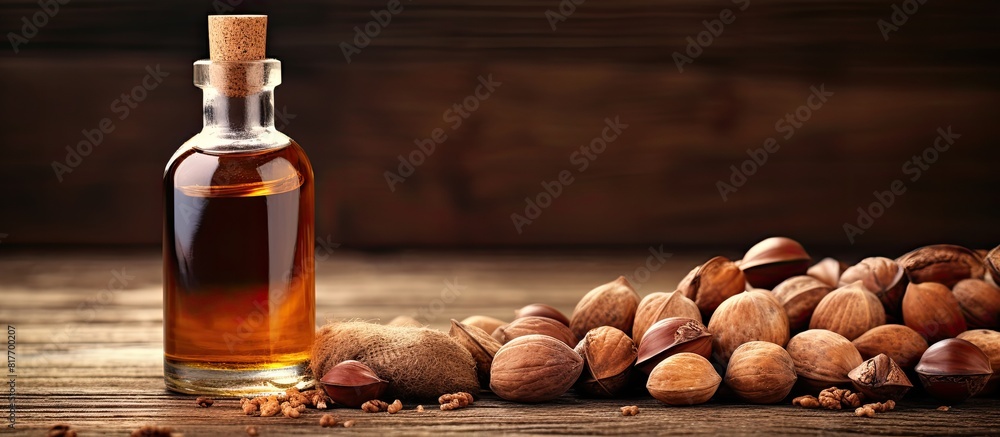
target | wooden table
[{"x": 92, "y": 358}]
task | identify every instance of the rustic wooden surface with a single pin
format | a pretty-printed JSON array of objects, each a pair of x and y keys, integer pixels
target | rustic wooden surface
[{"x": 98, "y": 366}]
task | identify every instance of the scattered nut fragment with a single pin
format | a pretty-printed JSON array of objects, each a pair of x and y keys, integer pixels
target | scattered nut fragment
[
  {"x": 420, "y": 408},
  {"x": 249, "y": 408},
  {"x": 252, "y": 431},
  {"x": 834, "y": 398},
  {"x": 807, "y": 401},
  {"x": 152, "y": 431},
  {"x": 394, "y": 407},
  {"x": 204, "y": 401},
  {"x": 630, "y": 410},
  {"x": 348, "y": 424},
  {"x": 943, "y": 408},
  {"x": 327, "y": 421},
  {"x": 869, "y": 410},
  {"x": 270, "y": 408},
  {"x": 61, "y": 430},
  {"x": 374, "y": 406},
  {"x": 290, "y": 411},
  {"x": 455, "y": 401}
]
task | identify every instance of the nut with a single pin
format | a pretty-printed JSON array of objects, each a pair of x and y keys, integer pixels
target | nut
[
  {"x": 881, "y": 276},
  {"x": 542, "y": 310},
  {"x": 901, "y": 343},
  {"x": 479, "y": 344},
  {"x": 932, "y": 310},
  {"x": 535, "y": 325},
  {"x": 942, "y": 263},
  {"x": 683, "y": 379},
  {"x": 773, "y": 260},
  {"x": 880, "y": 378},
  {"x": 534, "y": 368},
  {"x": 672, "y": 336},
  {"x": 612, "y": 304},
  {"x": 709, "y": 284},
  {"x": 989, "y": 342},
  {"x": 352, "y": 383},
  {"x": 659, "y": 306},
  {"x": 954, "y": 370},
  {"x": 823, "y": 358},
  {"x": 405, "y": 321},
  {"x": 761, "y": 372},
  {"x": 992, "y": 261},
  {"x": 486, "y": 323},
  {"x": 849, "y": 311},
  {"x": 980, "y": 303},
  {"x": 748, "y": 316},
  {"x": 608, "y": 355},
  {"x": 827, "y": 270},
  {"x": 799, "y": 295}
]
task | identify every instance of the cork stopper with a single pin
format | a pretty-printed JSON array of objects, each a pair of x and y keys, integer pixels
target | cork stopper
[
  {"x": 237, "y": 37},
  {"x": 235, "y": 44}
]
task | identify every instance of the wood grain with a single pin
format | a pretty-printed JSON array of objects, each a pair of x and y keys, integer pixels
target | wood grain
[{"x": 102, "y": 374}]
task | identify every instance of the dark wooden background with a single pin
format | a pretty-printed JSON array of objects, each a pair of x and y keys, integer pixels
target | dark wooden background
[{"x": 656, "y": 184}]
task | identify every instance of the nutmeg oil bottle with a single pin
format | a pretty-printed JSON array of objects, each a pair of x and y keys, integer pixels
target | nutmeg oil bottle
[{"x": 238, "y": 265}]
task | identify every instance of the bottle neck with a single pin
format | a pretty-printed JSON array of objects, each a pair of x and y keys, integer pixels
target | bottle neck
[
  {"x": 246, "y": 114},
  {"x": 238, "y": 105}
]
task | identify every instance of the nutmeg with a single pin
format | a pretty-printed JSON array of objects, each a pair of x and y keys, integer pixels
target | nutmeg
[
  {"x": 932, "y": 310},
  {"x": 612, "y": 304},
  {"x": 799, "y": 295},
  {"x": 881, "y": 276},
  {"x": 486, "y": 323},
  {"x": 849, "y": 311},
  {"x": 480, "y": 344},
  {"x": 823, "y": 358},
  {"x": 942, "y": 263},
  {"x": 954, "y": 370},
  {"x": 980, "y": 303},
  {"x": 659, "y": 306},
  {"x": 352, "y": 383},
  {"x": 827, "y": 270},
  {"x": 672, "y": 336},
  {"x": 899, "y": 342},
  {"x": 683, "y": 379},
  {"x": 773, "y": 260},
  {"x": 542, "y": 310},
  {"x": 608, "y": 355},
  {"x": 761, "y": 372},
  {"x": 709, "y": 284},
  {"x": 534, "y": 368},
  {"x": 988, "y": 341},
  {"x": 748, "y": 316},
  {"x": 535, "y": 325},
  {"x": 881, "y": 379}
]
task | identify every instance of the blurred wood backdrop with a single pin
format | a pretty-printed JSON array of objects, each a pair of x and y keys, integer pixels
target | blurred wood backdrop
[{"x": 655, "y": 184}]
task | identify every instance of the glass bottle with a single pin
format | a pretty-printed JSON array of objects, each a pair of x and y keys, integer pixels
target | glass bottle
[{"x": 238, "y": 263}]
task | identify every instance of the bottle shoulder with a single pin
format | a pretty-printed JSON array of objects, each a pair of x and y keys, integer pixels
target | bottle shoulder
[{"x": 210, "y": 173}]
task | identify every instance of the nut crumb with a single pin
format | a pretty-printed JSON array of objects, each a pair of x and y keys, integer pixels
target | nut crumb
[
  {"x": 327, "y": 421},
  {"x": 869, "y": 410},
  {"x": 420, "y": 408},
  {"x": 834, "y": 398},
  {"x": 455, "y": 401},
  {"x": 374, "y": 406},
  {"x": 806, "y": 401},
  {"x": 204, "y": 401},
  {"x": 252, "y": 431},
  {"x": 270, "y": 408},
  {"x": 630, "y": 410},
  {"x": 394, "y": 407},
  {"x": 943, "y": 408},
  {"x": 152, "y": 431},
  {"x": 61, "y": 430},
  {"x": 348, "y": 424}
]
